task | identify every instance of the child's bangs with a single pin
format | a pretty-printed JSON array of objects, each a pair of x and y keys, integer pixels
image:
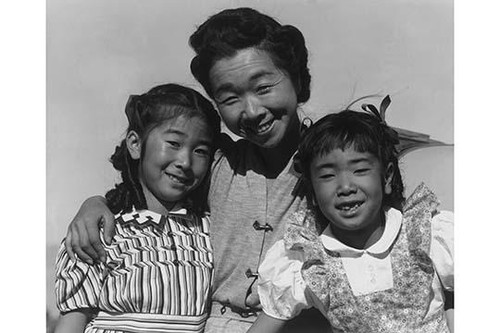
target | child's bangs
[
  {"x": 173, "y": 112},
  {"x": 356, "y": 137}
]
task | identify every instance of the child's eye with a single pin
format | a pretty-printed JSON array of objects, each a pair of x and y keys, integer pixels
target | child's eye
[
  {"x": 361, "y": 171},
  {"x": 173, "y": 144},
  {"x": 326, "y": 176},
  {"x": 202, "y": 151}
]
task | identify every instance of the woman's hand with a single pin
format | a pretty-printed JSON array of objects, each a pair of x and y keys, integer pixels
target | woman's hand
[
  {"x": 265, "y": 323},
  {"x": 83, "y": 232}
]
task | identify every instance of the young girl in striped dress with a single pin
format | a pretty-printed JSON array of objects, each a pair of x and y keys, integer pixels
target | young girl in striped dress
[{"x": 158, "y": 268}]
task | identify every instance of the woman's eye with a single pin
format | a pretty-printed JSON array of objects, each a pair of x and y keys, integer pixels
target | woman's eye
[
  {"x": 229, "y": 100},
  {"x": 264, "y": 89}
]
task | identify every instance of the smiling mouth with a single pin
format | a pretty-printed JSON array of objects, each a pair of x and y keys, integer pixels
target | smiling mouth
[
  {"x": 349, "y": 207},
  {"x": 261, "y": 129},
  {"x": 179, "y": 180}
]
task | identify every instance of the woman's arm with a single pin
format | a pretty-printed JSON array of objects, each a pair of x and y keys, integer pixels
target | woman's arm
[
  {"x": 449, "y": 308},
  {"x": 83, "y": 232},
  {"x": 266, "y": 324},
  {"x": 74, "y": 321},
  {"x": 450, "y": 319}
]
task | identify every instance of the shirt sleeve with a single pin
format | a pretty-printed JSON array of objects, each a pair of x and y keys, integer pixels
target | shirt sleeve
[
  {"x": 282, "y": 291},
  {"x": 442, "y": 252},
  {"x": 78, "y": 284}
]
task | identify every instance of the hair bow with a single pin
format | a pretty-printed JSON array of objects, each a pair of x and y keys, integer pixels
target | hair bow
[{"x": 380, "y": 115}]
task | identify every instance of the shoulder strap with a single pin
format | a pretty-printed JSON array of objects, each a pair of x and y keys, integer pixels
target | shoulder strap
[{"x": 302, "y": 234}]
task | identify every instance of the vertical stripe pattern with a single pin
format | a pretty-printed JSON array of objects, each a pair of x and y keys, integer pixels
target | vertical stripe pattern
[{"x": 155, "y": 265}]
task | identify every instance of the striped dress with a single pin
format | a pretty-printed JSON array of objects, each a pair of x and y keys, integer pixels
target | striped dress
[{"x": 156, "y": 278}]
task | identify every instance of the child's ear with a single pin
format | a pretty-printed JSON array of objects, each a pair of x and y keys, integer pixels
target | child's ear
[
  {"x": 389, "y": 174},
  {"x": 133, "y": 144}
]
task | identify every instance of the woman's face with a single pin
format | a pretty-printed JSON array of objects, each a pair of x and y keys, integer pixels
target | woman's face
[{"x": 256, "y": 99}]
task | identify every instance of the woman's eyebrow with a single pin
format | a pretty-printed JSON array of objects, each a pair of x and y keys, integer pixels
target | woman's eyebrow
[
  {"x": 261, "y": 74},
  {"x": 228, "y": 86}
]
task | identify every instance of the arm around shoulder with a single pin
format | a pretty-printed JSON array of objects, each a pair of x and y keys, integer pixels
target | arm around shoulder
[{"x": 82, "y": 237}]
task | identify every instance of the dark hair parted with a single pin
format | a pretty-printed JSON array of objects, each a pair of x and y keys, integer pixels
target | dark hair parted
[
  {"x": 231, "y": 30},
  {"x": 145, "y": 112},
  {"x": 360, "y": 131}
]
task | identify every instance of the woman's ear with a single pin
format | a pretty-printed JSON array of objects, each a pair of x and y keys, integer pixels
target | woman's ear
[
  {"x": 389, "y": 174},
  {"x": 134, "y": 144},
  {"x": 298, "y": 86}
]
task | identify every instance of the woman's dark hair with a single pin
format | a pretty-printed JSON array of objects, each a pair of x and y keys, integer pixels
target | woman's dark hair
[
  {"x": 144, "y": 113},
  {"x": 231, "y": 30},
  {"x": 362, "y": 132}
]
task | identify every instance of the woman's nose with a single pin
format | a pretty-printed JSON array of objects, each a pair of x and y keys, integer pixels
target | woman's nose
[{"x": 253, "y": 108}]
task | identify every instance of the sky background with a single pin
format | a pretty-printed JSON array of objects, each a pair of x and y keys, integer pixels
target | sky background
[{"x": 99, "y": 52}]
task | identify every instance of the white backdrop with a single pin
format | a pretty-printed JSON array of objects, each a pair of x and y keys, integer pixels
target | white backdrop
[{"x": 100, "y": 51}]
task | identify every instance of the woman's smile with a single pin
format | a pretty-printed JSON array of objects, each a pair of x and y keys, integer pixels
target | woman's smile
[
  {"x": 256, "y": 99},
  {"x": 261, "y": 129}
]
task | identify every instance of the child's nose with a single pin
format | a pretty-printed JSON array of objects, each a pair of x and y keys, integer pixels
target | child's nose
[
  {"x": 345, "y": 185},
  {"x": 183, "y": 159}
]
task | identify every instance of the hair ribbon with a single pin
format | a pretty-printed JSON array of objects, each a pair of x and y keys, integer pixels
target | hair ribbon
[{"x": 380, "y": 115}]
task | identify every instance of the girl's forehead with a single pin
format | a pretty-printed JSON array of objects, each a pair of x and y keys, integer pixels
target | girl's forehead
[
  {"x": 347, "y": 154},
  {"x": 185, "y": 124}
]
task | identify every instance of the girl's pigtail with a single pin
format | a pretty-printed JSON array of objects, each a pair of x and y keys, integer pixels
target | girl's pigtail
[
  {"x": 128, "y": 194},
  {"x": 130, "y": 177},
  {"x": 118, "y": 199}
]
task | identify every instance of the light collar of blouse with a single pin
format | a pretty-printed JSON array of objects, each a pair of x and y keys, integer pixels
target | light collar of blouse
[
  {"x": 145, "y": 215},
  {"x": 393, "y": 222}
]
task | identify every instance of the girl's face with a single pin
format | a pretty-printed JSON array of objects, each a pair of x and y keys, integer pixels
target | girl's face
[
  {"x": 175, "y": 161},
  {"x": 349, "y": 187},
  {"x": 256, "y": 99}
]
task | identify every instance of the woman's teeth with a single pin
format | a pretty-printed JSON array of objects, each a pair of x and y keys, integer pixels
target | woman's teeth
[
  {"x": 264, "y": 127},
  {"x": 259, "y": 129}
]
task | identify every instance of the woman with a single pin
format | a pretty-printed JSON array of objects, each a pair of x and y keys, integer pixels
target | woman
[{"x": 255, "y": 70}]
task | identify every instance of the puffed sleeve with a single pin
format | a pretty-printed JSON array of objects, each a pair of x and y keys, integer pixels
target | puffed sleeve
[
  {"x": 441, "y": 250},
  {"x": 282, "y": 291},
  {"x": 78, "y": 284}
]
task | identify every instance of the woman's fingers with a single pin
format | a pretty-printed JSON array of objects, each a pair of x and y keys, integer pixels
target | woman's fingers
[
  {"x": 108, "y": 227},
  {"x": 83, "y": 238},
  {"x": 95, "y": 248},
  {"x": 82, "y": 245},
  {"x": 67, "y": 245}
]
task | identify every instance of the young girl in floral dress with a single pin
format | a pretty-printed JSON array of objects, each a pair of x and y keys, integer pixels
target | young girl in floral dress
[{"x": 369, "y": 260}]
